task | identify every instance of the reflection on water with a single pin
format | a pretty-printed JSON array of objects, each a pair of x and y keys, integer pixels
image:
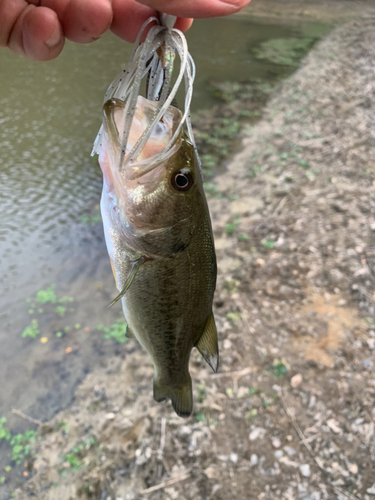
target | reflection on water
[{"x": 49, "y": 115}]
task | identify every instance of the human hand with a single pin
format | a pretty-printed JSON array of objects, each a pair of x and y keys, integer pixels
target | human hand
[{"x": 37, "y": 29}]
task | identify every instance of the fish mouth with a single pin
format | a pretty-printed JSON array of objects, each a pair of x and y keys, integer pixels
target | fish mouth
[{"x": 156, "y": 137}]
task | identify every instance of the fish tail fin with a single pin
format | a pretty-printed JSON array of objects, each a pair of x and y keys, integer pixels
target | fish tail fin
[{"x": 180, "y": 395}]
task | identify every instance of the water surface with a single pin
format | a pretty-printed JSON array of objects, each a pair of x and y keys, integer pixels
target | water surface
[{"x": 49, "y": 116}]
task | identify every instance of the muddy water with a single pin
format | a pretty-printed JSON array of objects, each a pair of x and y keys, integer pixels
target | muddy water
[{"x": 49, "y": 116}]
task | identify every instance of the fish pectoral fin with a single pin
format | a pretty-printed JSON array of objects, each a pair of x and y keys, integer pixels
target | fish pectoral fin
[
  {"x": 181, "y": 396},
  {"x": 207, "y": 345},
  {"x": 129, "y": 280}
]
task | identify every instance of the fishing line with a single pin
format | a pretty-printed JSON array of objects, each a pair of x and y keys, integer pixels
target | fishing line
[{"x": 145, "y": 61}]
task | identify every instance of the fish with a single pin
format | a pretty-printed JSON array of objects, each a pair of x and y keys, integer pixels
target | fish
[{"x": 159, "y": 239}]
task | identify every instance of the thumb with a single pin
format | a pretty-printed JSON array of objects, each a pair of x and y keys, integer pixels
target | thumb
[{"x": 197, "y": 8}]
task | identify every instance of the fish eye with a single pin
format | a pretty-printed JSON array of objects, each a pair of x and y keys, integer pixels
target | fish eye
[{"x": 182, "y": 181}]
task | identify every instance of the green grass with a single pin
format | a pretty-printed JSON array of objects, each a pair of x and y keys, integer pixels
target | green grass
[
  {"x": 46, "y": 296},
  {"x": 75, "y": 457},
  {"x": 268, "y": 244},
  {"x": 278, "y": 368},
  {"x": 117, "y": 331},
  {"x": 31, "y": 331},
  {"x": 19, "y": 443},
  {"x": 60, "y": 310}
]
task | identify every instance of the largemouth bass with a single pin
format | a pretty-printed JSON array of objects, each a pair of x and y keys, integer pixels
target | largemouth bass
[{"x": 159, "y": 239}]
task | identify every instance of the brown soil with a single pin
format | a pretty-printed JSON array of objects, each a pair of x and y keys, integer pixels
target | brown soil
[{"x": 291, "y": 413}]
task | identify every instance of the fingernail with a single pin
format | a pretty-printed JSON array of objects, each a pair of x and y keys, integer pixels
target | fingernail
[{"x": 54, "y": 39}]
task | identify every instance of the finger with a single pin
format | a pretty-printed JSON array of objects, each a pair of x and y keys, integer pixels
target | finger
[
  {"x": 9, "y": 13},
  {"x": 197, "y": 8},
  {"x": 83, "y": 21},
  {"x": 43, "y": 38},
  {"x": 129, "y": 16}
]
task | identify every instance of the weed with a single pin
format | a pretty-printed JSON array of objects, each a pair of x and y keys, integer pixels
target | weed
[
  {"x": 202, "y": 394},
  {"x": 7, "y": 468},
  {"x": 231, "y": 286},
  {"x": 59, "y": 335},
  {"x": 117, "y": 331},
  {"x": 77, "y": 326},
  {"x": 74, "y": 458},
  {"x": 4, "y": 431},
  {"x": 31, "y": 331},
  {"x": 20, "y": 444},
  {"x": 65, "y": 299},
  {"x": 304, "y": 164},
  {"x": 46, "y": 296},
  {"x": 243, "y": 237},
  {"x": 253, "y": 391},
  {"x": 310, "y": 176},
  {"x": 279, "y": 368},
  {"x": 252, "y": 414},
  {"x": 234, "y": 317},
  {"x": 2, "y": 479},
  {"x": 268, "y": 244},
  {"x": 200, "y": 416},
  {"x": 60, "y": 310}
]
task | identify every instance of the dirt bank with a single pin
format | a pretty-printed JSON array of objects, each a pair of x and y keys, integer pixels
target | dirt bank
[{"x": 291, "y": 415}]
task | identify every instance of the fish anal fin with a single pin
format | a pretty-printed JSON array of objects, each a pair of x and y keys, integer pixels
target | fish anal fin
[
  {"x": 134, "y": 267},
  {"x": 181, "y": 396},
  {"x": 207, "y": 345}
]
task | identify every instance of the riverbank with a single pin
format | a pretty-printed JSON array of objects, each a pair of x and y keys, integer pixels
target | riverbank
[{"x": 290, "y": 415}]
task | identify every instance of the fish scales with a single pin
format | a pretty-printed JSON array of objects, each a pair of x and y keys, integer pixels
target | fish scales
[{"x": 159, "y": 239}]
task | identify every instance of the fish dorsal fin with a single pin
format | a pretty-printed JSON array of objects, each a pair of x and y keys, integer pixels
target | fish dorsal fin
[
  {"x": 207, "y": 345},
  {"x": 129, "y": 280}
]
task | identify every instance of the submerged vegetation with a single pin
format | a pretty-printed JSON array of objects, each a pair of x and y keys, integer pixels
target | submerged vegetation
[
  {"x": 19, "y": 443},
  {"x": 117, "y": 331},
  {"x": 284, "y": 51}
]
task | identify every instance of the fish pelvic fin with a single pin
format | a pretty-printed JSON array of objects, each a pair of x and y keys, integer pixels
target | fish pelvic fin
[
  {"x": 207, "y": 345},
  {"x": 181, "y": 396},
  {"x": 129, "y": 280},
  {"x": 129, "y": 333}
]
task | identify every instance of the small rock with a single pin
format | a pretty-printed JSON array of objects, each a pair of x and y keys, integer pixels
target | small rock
[
  {"x": 276, "y": 443},
  {"x": 256, "y": 433},
  {"x": 305, "y": 470},
  {"x": 278, "y": 454},
  {"x": 227, "y": 344},
  {"x": 254, "y": 460},
  {"x": 233, "y": 457},
  {"x": 290, "y": 451},
  {"x": 371, "y": 491},
  {"x": 353, "y": 468},
  {"x": 334, "y": 426},
  {"x": 296, "y": 380},
  {"x": 242, "y": 392},
  {"x": 212, "y": 473},
  {"x": 260, "y": 262},
  {"x": 110, "y": 416}
]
